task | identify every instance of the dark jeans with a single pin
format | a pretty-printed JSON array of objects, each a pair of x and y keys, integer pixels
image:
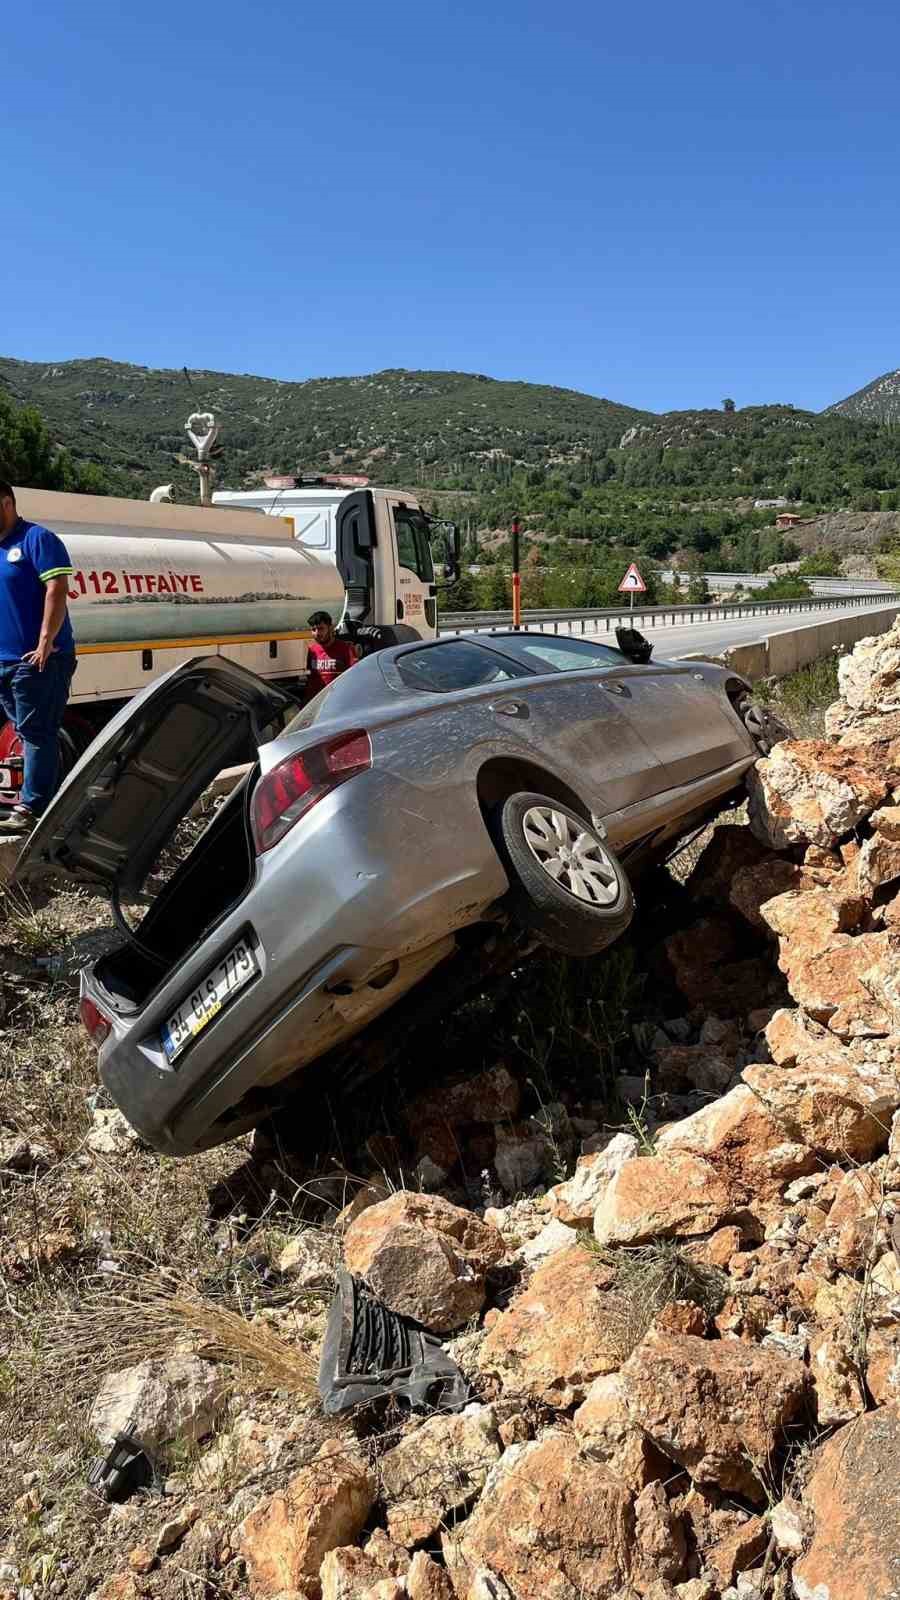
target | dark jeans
[{"x": 35, "y": 702}]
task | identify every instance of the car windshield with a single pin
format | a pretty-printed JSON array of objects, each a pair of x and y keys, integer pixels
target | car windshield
[
  {"x": 458, "y": 664},
  {"x": 544, "y": 652}
]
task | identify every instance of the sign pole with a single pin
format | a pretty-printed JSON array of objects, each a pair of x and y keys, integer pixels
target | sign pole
[{"x": 516, "y": 576}]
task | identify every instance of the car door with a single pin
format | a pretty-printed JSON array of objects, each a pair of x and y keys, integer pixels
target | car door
[
  {"x": 580, "y": 716},
  {"x": 680, "y": 716}
]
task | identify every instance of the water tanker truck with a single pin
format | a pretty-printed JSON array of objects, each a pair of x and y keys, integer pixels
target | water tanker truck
[{"x": 155, "y": 584}]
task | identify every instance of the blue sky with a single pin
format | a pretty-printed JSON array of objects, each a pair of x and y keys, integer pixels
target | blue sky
[{"x": 661, "y": 204}]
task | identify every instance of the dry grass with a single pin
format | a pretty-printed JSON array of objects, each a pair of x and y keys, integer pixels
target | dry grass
[
  {"x": 647, "y": 1279},
  {"x": 140, "y": 1318}
]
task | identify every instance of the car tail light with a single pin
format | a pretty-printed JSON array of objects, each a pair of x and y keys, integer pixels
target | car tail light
[
  {"x": 98, "y": 1026},
  {"x": 292, "y": 788}
]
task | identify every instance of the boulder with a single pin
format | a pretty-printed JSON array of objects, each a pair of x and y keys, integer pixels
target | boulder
[
  {"x": 729, "y": 852},
  {"x": 843, "y": 1113},
  {"x": 854, "y": 1496},
  {"x": 550, "y": 1523},
  {"x": 557, "y": 1336},
  {"x": 425, "y": 1580},
  {"x": 718, "y": 1408},
  {"x": 741, "y": 1140},
  {"x": 811, "y": 792},
  {"x": 178, "y": 1399},
  {"x": 660, "y": 1543},
  {"x": 555, "y": 1236},
  {"x": 671, "y": 1195},
  {"x": 795, "y": 1040},
  {"x": 520, "y": 1157},
  {"x": 436, "y": 1470},
  {"x": 575, "y": 1201},
  {"x": 287, "y": 1536},
  {"x": 349, "y": 1573},
  {"x": 886, "y": 820},
  {"x": 695, "y": 955},
  {"x": 829, "y": 977},
  {"x": 879, "y": 862},
  {"x": 489, "y": 1096},
  {"x": 605, "y": 1424},
  {"x": 753, "y": 885},
  {"x": 883, "y": 1364},
  {"x": 424, "y": 1257},
  {"x": 869, "y": 675},
  {"x": 836, "y": 1383},
  {"x": 739, "y": 1550}
]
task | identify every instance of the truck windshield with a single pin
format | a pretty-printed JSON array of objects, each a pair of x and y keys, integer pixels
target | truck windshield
[{"x": 413, "y": 548}]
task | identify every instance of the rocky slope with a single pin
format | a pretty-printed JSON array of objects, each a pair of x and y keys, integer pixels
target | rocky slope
[
  {"x": 684, "y": 1354},
  {"x": 878, "y": 401}
]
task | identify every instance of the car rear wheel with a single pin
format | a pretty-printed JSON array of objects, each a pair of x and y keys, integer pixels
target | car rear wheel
[
  {"x": 566, "y": 884},
  {"x": 765, "y": 729}
]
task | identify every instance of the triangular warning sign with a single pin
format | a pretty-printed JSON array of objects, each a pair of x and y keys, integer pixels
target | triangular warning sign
[{"x": 632, "y": 583}]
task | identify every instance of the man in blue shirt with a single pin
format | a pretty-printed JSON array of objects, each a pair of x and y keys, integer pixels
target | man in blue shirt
[{"x": 37, "y": 652}]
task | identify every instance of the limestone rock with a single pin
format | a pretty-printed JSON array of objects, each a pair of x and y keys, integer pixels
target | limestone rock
[
  {"x": 740, "y": 1138},
  {"x": 556, "y": 1337},
  {"x": 788, "y": 1522},
  {"x": 110, "y": 1134},
  {"x": 739, "y": 1550},
  {"x": 610, "y": 1433},
  {"x": 658, "y": 1534},
  {"x": 178, "y": 1399},
  {"x": 551, "y": 1522},
  {"x": 308, "y": 1260},
  {"x": 840, "y": 1113},
  {"x": 753, "y": 885},
  {"x": 835, "y": 1382},
  {"x": 436, "y": 1470},
  {"x": 879, "y": 861},
  {"x": 718, "y": 1408},
  {"x": 883, "y": 1364},
  {"x": 811, "y": 792},
  {"x": 854, "y": 1496},
  {"x": 575, "y": 1201},
  {"x": 555, "y": 1236},
  {"x": 424, "y": 1257},
  {"x": 671, "y": 1195},
  {"x": 349, "y": 1573},
  {"x": 693, "y": 1066},
  {"x": 425, "y": 1580},
  {"x": 285, "y": 1539},
  {"x": 830, "y": 977},
  {"x": 869, "y": 676}
]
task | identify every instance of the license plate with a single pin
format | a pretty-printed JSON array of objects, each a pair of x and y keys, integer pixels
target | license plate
[
  {"x": 10, "y": 777},
  {"x": 210, "y": 997}
]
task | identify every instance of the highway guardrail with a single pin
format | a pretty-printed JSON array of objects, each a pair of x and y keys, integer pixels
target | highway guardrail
[{"x": 597, "y": 620}]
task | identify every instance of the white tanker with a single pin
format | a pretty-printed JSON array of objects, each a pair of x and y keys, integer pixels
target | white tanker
[{"x": 155, "y": 584}]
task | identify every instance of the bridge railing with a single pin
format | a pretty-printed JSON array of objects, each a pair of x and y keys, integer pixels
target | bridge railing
[{"x": 597, "y": 620}]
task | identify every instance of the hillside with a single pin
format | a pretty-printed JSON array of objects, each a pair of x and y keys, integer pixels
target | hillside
[
  {"x": 879, "y": 401},
  {"x": 570, "y": 465},
  {"x": 413, "y": 427}
]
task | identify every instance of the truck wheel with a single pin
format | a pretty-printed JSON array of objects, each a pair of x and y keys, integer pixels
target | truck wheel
[
  {"x": 765, "y": 729},
  {"x": 566, "y": 884}
]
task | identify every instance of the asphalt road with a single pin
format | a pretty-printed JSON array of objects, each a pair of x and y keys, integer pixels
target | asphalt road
[{"x": 684, "y": 638}]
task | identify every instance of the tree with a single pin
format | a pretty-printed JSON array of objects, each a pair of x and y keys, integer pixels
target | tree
[
  {"x": 728, "y": 405},
  {"x": 29, "y": 457}
]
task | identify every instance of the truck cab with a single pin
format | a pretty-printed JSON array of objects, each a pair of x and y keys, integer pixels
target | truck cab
[{"x": 379, "y": 540}]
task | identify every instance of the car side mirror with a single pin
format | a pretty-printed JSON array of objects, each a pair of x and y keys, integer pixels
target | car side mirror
[{"x": 634, "y": 646}]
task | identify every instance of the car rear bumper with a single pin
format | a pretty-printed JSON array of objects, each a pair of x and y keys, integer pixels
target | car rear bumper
[{"x": 331, "y": 909}]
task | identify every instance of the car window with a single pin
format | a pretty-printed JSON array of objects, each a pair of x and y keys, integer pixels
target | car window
[
  {"x": 441, "y": 668},
  {"x": 543, "y": 653}
]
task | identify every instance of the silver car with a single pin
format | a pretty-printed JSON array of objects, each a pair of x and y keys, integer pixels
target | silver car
[{"x": 436, "y": 793}]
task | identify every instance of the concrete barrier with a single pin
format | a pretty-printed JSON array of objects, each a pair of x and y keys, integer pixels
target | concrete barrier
[{"x": 780, "y": 653}]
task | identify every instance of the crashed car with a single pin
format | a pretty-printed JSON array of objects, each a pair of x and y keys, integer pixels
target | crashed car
[{"x": 435, "y": 791}]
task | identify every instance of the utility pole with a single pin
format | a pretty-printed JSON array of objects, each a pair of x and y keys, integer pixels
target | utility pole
[{"x": 516, "y": 575}]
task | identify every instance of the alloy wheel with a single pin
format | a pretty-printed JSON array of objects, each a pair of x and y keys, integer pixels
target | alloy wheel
[{"x": 571, "y": 856}]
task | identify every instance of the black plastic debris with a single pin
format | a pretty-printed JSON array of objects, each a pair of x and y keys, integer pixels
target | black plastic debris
[
  {"x": 370, "y": 1352},
  {"x": 124, "y": 1469}
]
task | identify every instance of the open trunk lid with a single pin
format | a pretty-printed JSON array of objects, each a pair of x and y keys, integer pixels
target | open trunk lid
[{"x": 122, "y": 802}]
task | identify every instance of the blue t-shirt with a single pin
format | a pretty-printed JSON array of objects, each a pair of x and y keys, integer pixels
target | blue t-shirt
[{"x": 29, "y": 557}]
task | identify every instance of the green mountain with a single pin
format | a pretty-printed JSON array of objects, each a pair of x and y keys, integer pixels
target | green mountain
[
  {"x": 573, "y": 467},
  {"x": 879, "y": 401},
  {"x": 399, "y": 427}
]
